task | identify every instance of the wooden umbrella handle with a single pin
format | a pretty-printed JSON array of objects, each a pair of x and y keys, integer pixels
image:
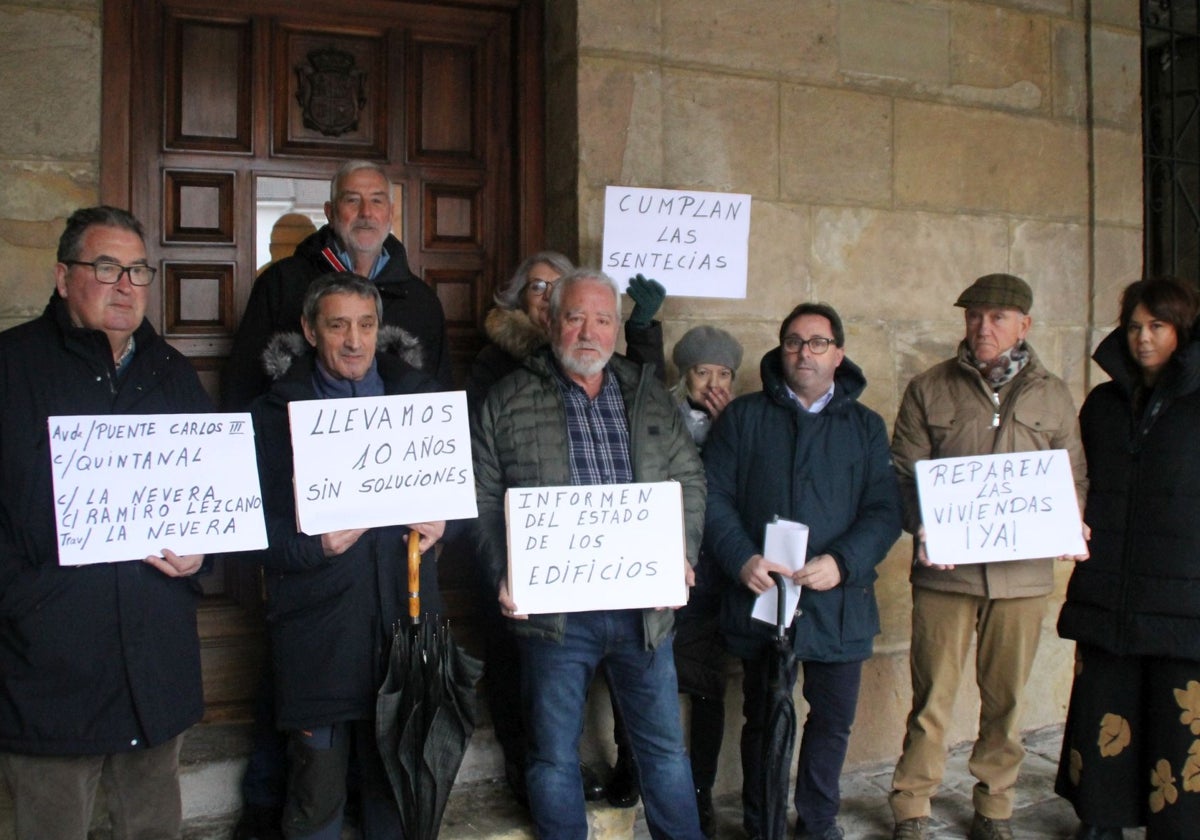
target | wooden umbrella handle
[{"x": 414, "y": 576}]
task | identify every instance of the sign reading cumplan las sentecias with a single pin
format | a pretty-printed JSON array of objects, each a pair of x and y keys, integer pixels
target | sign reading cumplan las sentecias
[{"x": 693, "y": 243}]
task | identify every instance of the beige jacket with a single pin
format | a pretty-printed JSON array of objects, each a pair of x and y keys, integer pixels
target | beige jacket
[{"x": 949, "y": 411}]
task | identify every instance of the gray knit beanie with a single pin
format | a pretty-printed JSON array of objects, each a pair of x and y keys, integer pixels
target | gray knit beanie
[{"x": 706, "y": 345}]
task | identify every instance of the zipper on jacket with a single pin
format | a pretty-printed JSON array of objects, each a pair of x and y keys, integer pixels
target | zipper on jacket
[{"x": 995, "y": 410}]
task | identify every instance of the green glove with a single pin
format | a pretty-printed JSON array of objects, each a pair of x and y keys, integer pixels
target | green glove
[{"x": 648, "y": 296}]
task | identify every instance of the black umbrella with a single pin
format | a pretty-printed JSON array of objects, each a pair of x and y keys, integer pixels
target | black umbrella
[
  {"x": 425, "y": 712},
  {"x": 779, "y": 732}
]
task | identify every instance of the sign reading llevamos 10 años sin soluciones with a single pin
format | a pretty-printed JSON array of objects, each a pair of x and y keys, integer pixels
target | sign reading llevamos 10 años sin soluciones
[
  {"x": 596, "y": 547},
  {"x": 368, "y": 462}
]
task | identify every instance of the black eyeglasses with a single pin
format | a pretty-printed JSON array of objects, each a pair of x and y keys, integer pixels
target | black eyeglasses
[
  {"x": 109, "y": 273},
  {"x": 817, "y": 344},
  {"x": 540, "y": 287}
]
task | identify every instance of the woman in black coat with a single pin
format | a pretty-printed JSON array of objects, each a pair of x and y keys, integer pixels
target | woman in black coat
[{"x": 1131, "y": 749}]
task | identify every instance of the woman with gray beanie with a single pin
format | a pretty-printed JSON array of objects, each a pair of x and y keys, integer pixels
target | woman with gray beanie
[{"x": 708, "y": 359}]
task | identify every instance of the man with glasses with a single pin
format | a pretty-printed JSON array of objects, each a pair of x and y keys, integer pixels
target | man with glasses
[
  {"x": 99, "y": 664},
  {"x": 802, "y": 449},
  {"x": 993, "y": 396}
]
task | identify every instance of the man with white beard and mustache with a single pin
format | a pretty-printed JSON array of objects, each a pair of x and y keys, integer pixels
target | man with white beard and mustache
[{"x": 577, "y": 414}]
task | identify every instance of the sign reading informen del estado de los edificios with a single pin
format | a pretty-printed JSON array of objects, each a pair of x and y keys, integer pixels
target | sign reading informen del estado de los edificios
[{"x": 596, "y": 547}]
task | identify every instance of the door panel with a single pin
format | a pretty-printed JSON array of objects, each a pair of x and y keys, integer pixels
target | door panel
[{"x": 204, "y": 97}]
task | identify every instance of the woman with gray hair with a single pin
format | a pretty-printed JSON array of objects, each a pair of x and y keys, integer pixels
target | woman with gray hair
[{"x": 518, "y": 323}]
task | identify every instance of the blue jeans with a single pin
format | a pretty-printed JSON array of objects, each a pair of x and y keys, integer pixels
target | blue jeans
[
  {"x": 831, "y": 691},
  {"x": 554, "y": 682}
]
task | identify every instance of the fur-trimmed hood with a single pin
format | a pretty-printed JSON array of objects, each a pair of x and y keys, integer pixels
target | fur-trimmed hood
[
  {"x": 514, "y": 332},
  {"x": 284, "y": 348}
]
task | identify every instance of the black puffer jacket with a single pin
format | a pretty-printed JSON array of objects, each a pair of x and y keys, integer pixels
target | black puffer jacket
[
  {"x": 278, "y": 295},
  {"x": 330, "y": 618},
  {"x": 1139, "y": 593},
  {"x": 101, "y": 658}
]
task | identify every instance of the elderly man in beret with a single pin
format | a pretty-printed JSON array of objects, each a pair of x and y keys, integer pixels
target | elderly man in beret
[{"x": 994, "y": 396}]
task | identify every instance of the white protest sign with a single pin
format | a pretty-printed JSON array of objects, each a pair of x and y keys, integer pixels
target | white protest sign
[
  {"x": 786, "y": 543},
  {"x": 987, "y": 508},
  {"x": 127, "y": 486},
  {"x": 596, "y": 547},
  {"x": 694, "y": 243},
  {"x": 367, "y": 462}
]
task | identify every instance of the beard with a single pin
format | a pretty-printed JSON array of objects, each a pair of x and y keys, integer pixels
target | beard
[{"x": 580, "y": 366}]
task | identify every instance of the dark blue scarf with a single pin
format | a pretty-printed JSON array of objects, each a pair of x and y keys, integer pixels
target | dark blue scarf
[{"x": 328, "y": 386}]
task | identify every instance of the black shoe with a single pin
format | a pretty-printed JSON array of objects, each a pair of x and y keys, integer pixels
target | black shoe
[
  {"x": 622, "y": 790},
  {"x": 593, "y": 788},
  {"x": 259, "y": 822},
  {"x": 708, "y": 819},
  {"x": 1091, "y": 832}
]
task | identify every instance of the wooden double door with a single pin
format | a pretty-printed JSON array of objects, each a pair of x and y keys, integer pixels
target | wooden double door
[{"x": 216, "y": 109}]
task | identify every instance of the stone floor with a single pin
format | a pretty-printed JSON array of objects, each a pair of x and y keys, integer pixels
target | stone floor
[{"x": 485, "y": 810}]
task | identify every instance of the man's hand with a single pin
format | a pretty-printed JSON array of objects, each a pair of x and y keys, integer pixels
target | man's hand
[
  {"x": 921, "y": 557},
  {"x": 507, "y": 606},
  {"x": 430, "y": 533},
  {"x": 172, "y": 565},
  {"x": 819, "y": 574},
  {"x": 338, "y": 542},
  {"x": 755, "y": 575},
  {"x": 715, "y": 400},
  {"x": 1079, "y": 558}
]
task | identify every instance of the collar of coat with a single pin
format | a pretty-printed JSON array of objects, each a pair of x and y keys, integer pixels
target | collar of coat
[
  {"x": 848, "y": 381},
  {"x": 88, "y": 341},
  {"x": 514, "y": 332},
  {"x": 397, "y": 269},
  {"x": 286, "y": 347}
]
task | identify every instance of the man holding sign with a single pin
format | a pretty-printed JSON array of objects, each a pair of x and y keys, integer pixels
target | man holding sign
[
  {"x": 803, "y": 449},
  {"x": 995, "y": 396},
  {"x": 576, "y": 414},
  {"x": 333, "y": 598},
  {"x": 100, "y": 663}
]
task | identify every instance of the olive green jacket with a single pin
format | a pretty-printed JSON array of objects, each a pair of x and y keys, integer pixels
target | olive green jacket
[{"x": 519, "y": 439}]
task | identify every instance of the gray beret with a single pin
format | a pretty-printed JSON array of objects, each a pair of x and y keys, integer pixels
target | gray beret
[{"x": 707, "y": 345}]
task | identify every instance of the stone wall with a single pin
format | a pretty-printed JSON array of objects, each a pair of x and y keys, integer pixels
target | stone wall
[
  {"x": 49, "y": 140},
  {"x": 894, "y": 152}
]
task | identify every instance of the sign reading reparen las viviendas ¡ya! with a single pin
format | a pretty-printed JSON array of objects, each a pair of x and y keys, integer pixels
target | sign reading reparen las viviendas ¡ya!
[
  {"x": 596, "y": 547},
  {"x": 693, "y": 243},
  {"x": 368, "y": 462},
  {"x": 987, "y": 508},
  {"x": 129, "y": 486}
]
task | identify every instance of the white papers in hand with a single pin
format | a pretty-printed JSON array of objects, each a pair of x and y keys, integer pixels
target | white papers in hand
[{"x": 785, "y": 543}]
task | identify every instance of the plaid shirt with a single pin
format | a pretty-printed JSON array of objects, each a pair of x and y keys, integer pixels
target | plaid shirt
[{"x": 597, "y": 432}]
